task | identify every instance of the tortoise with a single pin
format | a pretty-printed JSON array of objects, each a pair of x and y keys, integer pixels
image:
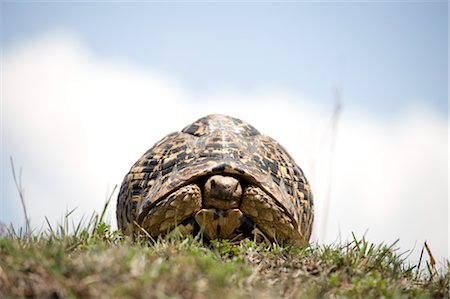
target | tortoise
[{"x": 220, "y": 176}]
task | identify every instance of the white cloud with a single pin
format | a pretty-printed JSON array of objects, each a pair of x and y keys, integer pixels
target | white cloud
[{"x": 77, "y": 122}]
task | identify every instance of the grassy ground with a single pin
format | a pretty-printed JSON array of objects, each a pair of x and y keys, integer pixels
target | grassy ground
[{"x": 95, "y": 262}]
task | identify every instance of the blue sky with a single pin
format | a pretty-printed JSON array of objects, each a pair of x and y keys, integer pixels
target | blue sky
[
  {"x": 384, "y": 56},
  {"x": 88, "y": 87}
]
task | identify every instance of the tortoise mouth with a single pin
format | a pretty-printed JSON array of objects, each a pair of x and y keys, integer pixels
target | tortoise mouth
[{"x": 221, "y": 206}]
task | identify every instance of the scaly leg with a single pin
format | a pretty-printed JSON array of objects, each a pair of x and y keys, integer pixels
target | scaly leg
[
  {"x": 172, "y": 210},
  {"x": 219, "y": 224},
  {"x": 269, "y": 217}
]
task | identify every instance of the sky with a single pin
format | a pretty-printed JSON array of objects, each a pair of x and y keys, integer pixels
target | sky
[{"x": 87, "y": 88}]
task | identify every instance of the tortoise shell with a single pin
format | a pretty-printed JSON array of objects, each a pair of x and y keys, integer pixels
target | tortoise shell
[{"x": 276, "y": 199}]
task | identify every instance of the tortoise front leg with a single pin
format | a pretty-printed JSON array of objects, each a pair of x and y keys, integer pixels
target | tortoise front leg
[
  {"x": 270, "y": 218},
  {"x": 172, "y": 210}
]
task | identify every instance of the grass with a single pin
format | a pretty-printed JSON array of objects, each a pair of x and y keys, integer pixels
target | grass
[{"x": 90, "y": 260}]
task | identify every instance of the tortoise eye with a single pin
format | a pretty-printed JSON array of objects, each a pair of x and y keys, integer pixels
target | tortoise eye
[{"x": 213, "y": 183}]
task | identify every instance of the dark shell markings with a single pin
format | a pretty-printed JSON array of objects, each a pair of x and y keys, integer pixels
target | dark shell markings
[{"x": 221, "y": 175}]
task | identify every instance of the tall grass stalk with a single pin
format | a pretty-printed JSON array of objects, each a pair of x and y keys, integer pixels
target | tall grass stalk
[{"x": 21, "y": 191}]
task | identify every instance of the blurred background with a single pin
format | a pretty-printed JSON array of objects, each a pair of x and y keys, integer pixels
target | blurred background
[{"x": 356, "y": 91}]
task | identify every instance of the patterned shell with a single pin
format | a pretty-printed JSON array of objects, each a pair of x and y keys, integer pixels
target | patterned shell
[{"x": 215, "y": 144}]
